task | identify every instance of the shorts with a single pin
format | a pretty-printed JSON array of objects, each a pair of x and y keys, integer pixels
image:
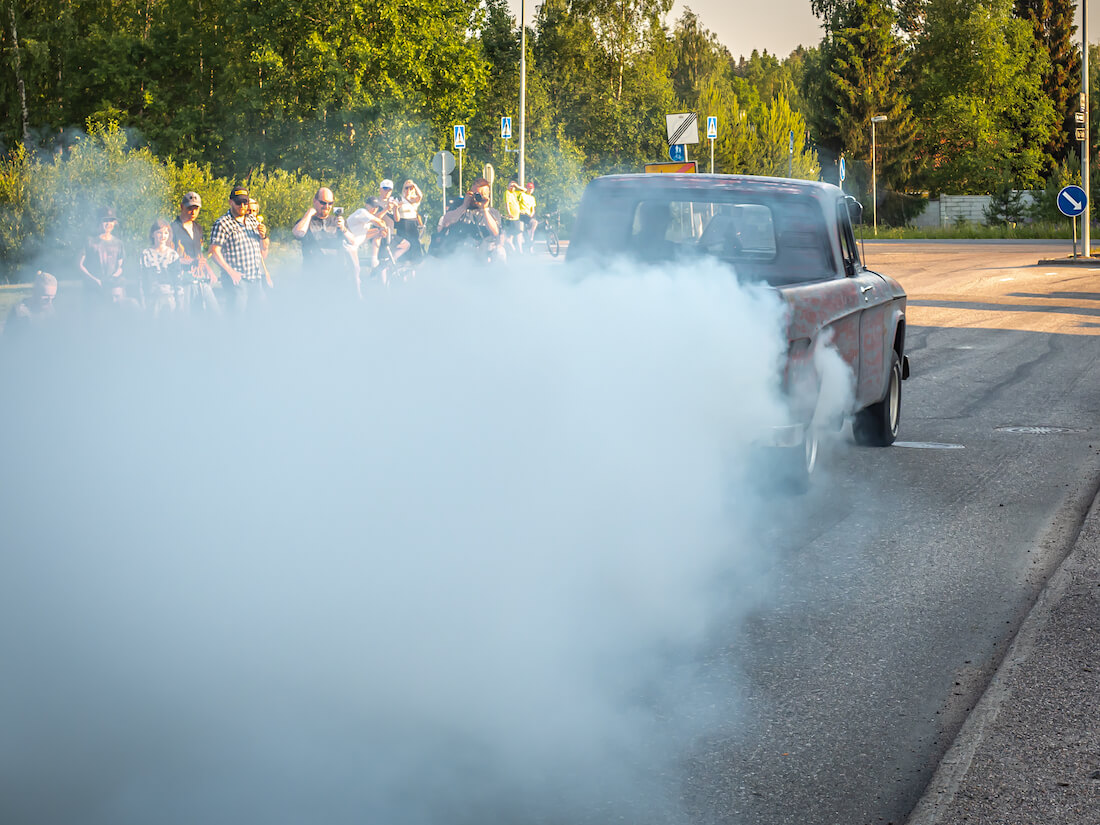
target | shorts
[{"x": 513, "y": 227}]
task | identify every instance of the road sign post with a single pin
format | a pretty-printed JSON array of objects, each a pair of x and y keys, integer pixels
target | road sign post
[
  {"x": 712, "y": 134},
  {"x": 489, "y": 173},
  {"x": 1073, "y": 201},
  {"x": 460, "y": 143},
  {"x": 790, "y": 159},
  {"x": 443, "y": 162},
  {"x": 682, "y": 128}
]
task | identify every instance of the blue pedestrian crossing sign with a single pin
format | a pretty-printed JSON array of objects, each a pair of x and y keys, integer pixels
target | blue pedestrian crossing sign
[
  {"x": 676, "y": 152},
  {"x": 506, "y": 128},
  {"x": 1072, "y": 201},
  {"x": 712, "y": 127},
  {"x": 460, "y": 137}
]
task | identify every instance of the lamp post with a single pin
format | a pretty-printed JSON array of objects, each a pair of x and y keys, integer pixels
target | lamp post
[
  {"x": 874, "y": 161},
  {"x": 522, "y": 94}
]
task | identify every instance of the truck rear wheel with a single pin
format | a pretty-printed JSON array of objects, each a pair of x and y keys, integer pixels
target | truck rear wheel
[{"x": 877, "y": 425}]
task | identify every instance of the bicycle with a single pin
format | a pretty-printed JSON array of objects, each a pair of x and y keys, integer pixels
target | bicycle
[{"x": 549, "y": 227}]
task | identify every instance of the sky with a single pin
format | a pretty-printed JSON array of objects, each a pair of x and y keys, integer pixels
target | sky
[{"x": 779, "y": 26}]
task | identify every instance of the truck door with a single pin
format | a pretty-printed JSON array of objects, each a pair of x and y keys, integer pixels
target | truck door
[{"x": 874, "y": 301}]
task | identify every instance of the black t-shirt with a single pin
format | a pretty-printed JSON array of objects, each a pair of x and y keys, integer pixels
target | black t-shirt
[
  {"x": 102, "y": 258},
  {"x": 186, "y": 245},
  {"x": 323, "y": 241}
]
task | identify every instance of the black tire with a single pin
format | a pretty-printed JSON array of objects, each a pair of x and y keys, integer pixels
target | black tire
[
  {"x": 877, "y": 425},
  {"x": 552, "y": 245},
  {"x": 785, "y": 470}
]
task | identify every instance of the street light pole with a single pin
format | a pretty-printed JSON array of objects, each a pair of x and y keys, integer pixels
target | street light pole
[
  {"x": 874, "y": 170},
  {"x": 522, "y": 94}
]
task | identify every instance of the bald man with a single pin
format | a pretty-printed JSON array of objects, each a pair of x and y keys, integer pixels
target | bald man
[{"x": 324, "y": 234}]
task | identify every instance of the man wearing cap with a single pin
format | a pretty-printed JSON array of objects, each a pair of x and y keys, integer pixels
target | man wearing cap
[
  {"x": 389, "y": 207},
  {"x": 236, "y": 245},
  {"x": 187, "y": 239}
]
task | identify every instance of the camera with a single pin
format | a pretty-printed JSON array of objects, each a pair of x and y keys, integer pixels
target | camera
[
  {"x": 479, "y": 198},
  {"x": 338, "y": 211}
]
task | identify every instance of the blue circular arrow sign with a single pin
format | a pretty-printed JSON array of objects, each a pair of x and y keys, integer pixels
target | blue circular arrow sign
[{"x": 1072, "y": 201}]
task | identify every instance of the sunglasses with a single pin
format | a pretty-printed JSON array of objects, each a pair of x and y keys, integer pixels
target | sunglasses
[
  {"x": 239, "y": 201},
  {"x": 325, "y": 203}
]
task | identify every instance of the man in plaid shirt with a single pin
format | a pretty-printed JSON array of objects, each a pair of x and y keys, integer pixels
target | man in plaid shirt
[{"x": 237, "y": 245}]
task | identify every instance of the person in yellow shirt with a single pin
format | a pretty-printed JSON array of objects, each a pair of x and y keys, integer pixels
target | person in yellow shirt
[
  {"x": 527, "y": 211},
  {"x": 513, "y": 226}
]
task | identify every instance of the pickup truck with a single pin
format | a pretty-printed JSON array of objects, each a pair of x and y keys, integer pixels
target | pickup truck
[{"x": 793, "y": 236}]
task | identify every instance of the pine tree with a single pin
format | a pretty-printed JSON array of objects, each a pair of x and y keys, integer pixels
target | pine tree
[
  {"x": 860, "y": 71},
  {"x": 1054, "y": 27}
]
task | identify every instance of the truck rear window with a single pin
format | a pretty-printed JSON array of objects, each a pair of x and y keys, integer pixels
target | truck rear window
[{"x": 779, "y": 241}]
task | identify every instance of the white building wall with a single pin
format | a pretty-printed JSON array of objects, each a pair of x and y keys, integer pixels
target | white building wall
[{"x": 947, "y": 210}]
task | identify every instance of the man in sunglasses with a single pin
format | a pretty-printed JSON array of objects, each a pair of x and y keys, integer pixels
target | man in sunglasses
[
  {"x": 236, "y": 245},
  {"x": 326, "y": 241}
]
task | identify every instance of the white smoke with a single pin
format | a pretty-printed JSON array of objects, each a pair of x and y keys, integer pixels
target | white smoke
[{"x": 442, "y": 557}]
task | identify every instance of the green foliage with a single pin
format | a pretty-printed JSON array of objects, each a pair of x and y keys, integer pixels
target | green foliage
[
  {"x": 287, "y": 96},
  {"x": 978, "y": 95},
  {"x": 858, "y": 74},
  {"x": 973, "y": 231},
  {"x": 1006, "y": 205},
  {"x": 1065, "y": 172},
  {"x": 1053, "y": 26},
  {"x": 899, "y": 208}
]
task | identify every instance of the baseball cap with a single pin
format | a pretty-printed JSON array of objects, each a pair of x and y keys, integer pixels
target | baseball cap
[
  {"x": 530, "y": 184},
  {"x": 386, "y": 184},
  {"x": 238, "y": 192},
  {"x": 374, "y": 202},
  {"x": 191, "y": 199},
  {"x": 107, "y": 214}
]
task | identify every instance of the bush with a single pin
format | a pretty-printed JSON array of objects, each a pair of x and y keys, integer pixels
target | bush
[
  {"x": 49, "y": 204},
  {"x": 1006, "y": 205}
]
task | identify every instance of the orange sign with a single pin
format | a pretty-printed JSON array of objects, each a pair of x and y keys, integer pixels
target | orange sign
[{"x": 672, "y": 168}]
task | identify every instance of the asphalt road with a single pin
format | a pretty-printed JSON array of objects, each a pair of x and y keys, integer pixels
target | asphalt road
[{"x": 902, "y": 577}]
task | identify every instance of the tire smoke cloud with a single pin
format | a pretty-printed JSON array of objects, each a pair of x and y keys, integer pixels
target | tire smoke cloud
[{"x": 442, "y": 557}]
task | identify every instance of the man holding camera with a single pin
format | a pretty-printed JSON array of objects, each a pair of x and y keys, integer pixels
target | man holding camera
[
  {"x": 324, "y": 236},
  {"x": 236, "y": 245},
  {"x": 474, "y": 222}
]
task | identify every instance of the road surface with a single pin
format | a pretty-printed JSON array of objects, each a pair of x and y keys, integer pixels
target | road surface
[{"x": 908, "y": 570}]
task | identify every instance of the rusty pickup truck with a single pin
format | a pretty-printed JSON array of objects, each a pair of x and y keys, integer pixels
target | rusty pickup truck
[{"x": 794, "y": 236}]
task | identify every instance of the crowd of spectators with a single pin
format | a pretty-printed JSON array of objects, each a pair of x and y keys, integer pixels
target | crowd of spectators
[{"x": 181, "y": 271}]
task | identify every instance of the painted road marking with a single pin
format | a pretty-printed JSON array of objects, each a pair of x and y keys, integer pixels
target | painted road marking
[{"x": 928, "y": 445}]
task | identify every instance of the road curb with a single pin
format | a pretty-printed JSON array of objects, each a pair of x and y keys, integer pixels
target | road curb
[
  {"x": 939, "y": 799},
  {"x": 1094, "y": 261}
]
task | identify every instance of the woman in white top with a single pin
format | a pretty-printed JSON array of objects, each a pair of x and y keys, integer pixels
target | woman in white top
[
  {"x": 409, "y": 223},
  {"x": 160, "y": 269}
]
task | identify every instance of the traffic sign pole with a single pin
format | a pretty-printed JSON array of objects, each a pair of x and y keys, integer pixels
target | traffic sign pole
[
  {"x": 1086, "y": 239},
  {"x": 712, "y": 133},
  {"x": 1073, "y": 201}
]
